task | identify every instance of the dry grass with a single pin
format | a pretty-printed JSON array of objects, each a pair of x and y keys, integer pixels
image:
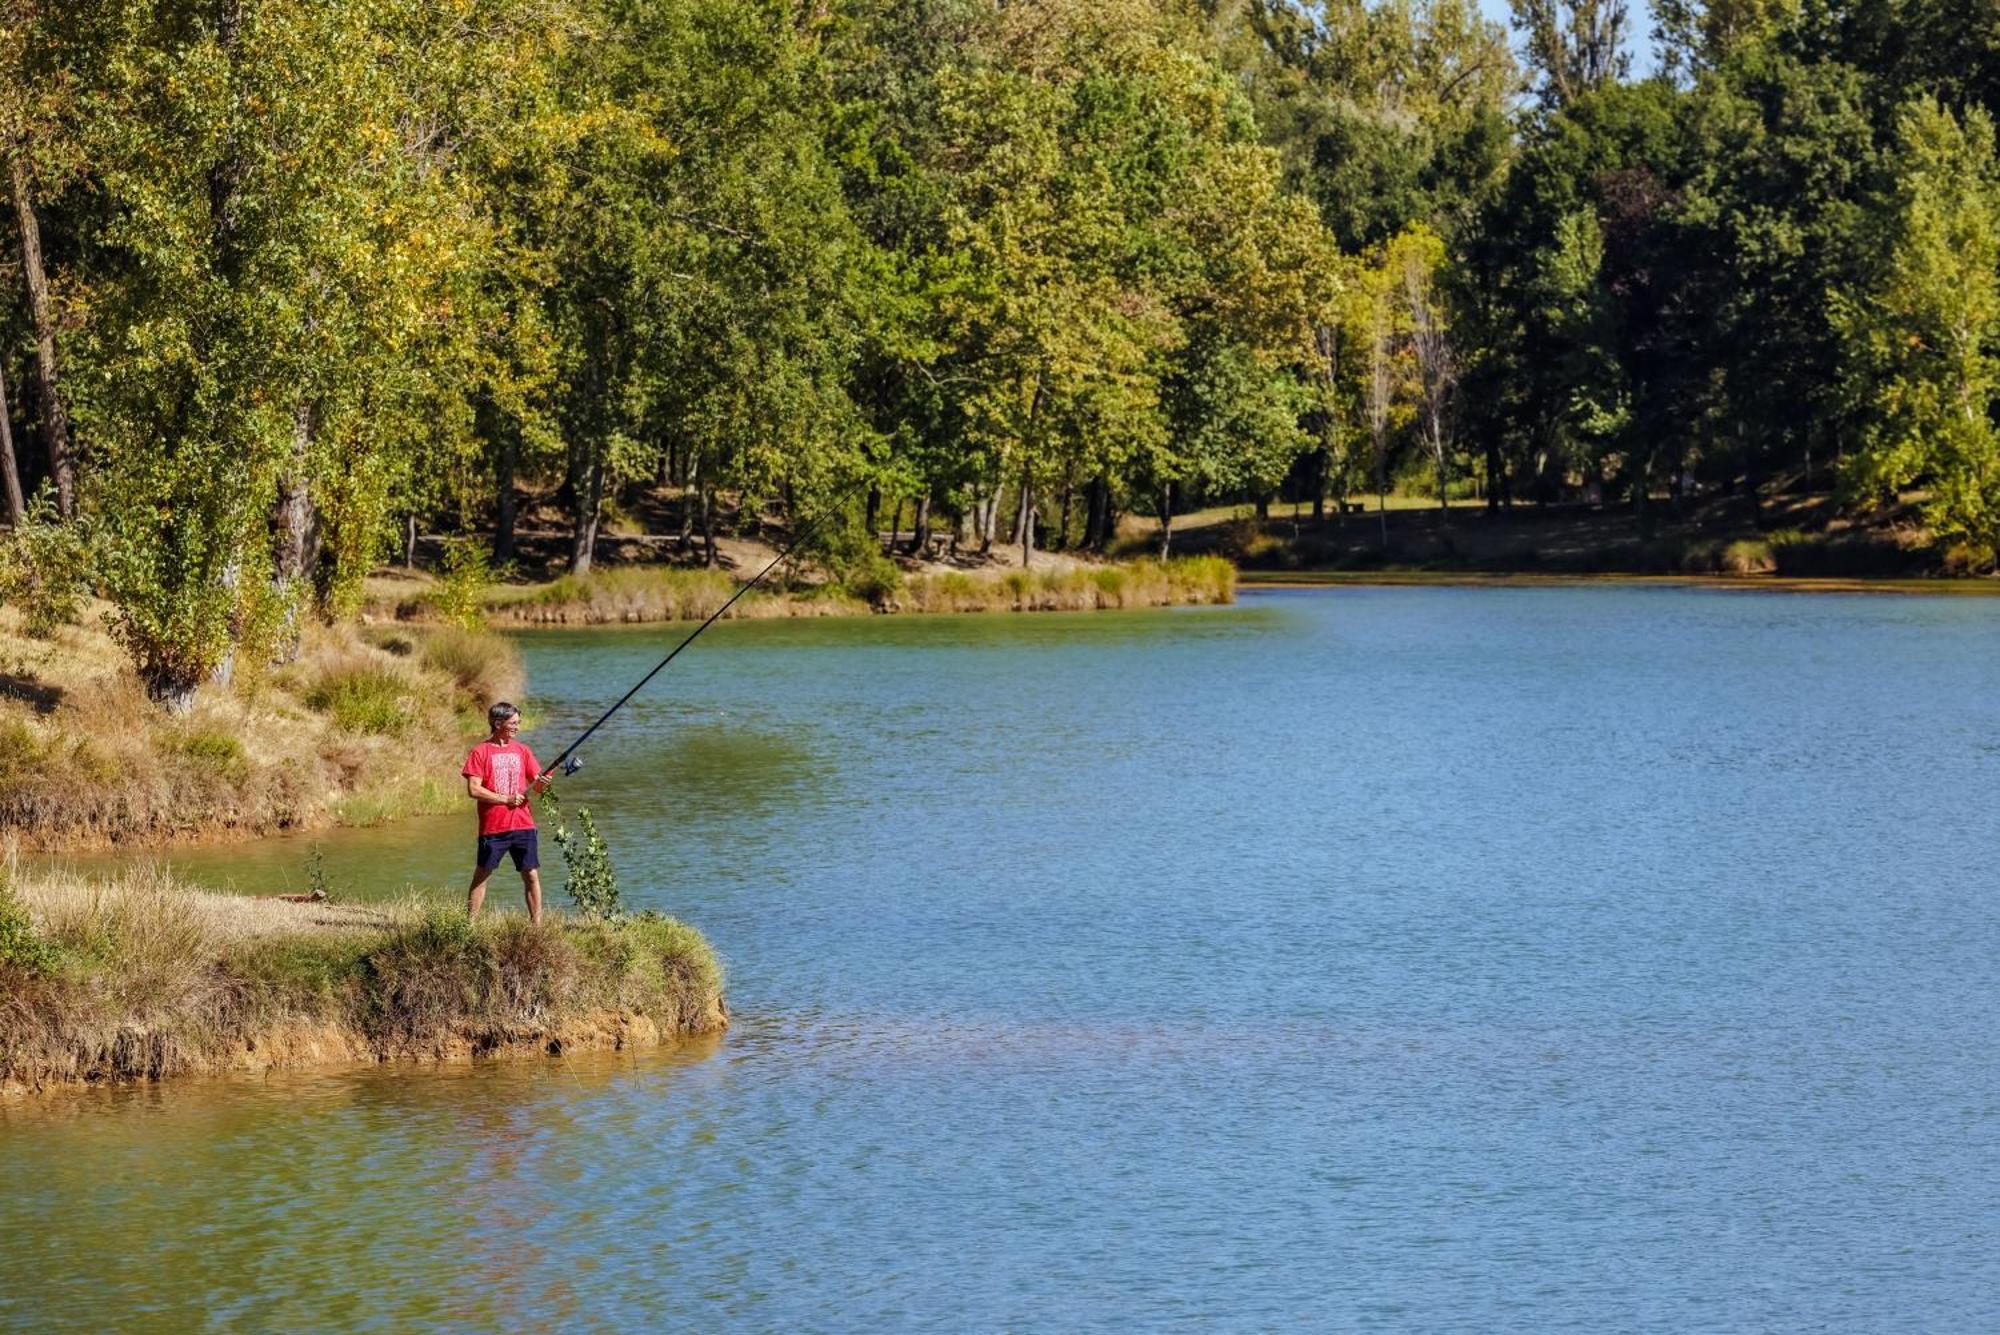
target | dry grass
[
  {"x": 349, "y": 728},
  {"x": 1183, "y": 580},
  {"x": 140, "y": 978},
  {"x": 627, "y": 594},
  {"x": 631, "y": 594}
]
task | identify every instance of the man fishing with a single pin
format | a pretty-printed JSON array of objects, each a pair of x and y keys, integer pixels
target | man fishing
[{"x": 500, "y": 773}]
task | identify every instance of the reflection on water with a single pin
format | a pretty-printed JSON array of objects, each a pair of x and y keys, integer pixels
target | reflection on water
[{"x": 1440, "y": 959}]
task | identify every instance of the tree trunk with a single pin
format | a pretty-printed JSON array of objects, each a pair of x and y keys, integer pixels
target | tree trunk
[
  {"x": 1322, "y": 468},
  {"x": 10, "y": 472},
  {"x": 55, "y": 416},
  {"x": 179, "y": 702},
  {"x": 504, "y": 508},
  {"x": 1027, "y": 516},
  {"x": 988, "y": 519},
  {"x": 1061, "y": 543},
  {"x": 895, "y": 525},
  {"x": 874, "y": 512},
  {"x": 1438, "y": 463},
  {"x": 920, "y": 539},
  {"x": 710, "y": 556},
  {"x": 1751, "y": 485},
  {"x": 1166, "y": 519},
  {"x": 690, "y": 496},
  {"x": 410, "y": 541},
  {"x": 171, "y": 690},
  {"x": 589, "y": 501},
  {"x": 290, "y": 520},
  {"x": 1263, "y": 507}
]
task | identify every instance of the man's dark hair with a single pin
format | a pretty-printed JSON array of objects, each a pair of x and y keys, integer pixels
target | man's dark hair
[{"x": 499, "y": 712}]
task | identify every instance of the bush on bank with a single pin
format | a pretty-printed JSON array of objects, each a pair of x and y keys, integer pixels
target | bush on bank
[{"x": 141, "y": 978}]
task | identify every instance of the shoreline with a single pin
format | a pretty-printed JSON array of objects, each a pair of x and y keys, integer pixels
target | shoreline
[{"x": 1962, "y": 587}]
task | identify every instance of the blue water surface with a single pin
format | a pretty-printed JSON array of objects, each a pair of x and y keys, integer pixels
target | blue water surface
[{"x": 1435, "y": 959}]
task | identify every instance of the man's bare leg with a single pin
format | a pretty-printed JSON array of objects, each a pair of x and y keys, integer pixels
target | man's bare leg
[
  {"x": 476, "y": 896},
  {"x": 531, "y": 886}
]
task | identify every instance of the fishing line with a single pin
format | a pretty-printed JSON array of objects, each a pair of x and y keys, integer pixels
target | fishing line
[{"x": 569, "y": 762}]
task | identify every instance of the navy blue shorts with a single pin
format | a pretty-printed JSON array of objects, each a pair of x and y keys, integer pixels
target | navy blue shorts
[{"x": 521, "y": 843}]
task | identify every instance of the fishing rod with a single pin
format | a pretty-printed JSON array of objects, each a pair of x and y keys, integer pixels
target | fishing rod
[{"x": 569, "y": 762}]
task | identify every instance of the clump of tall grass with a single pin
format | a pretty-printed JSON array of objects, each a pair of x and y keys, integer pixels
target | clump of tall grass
[
  {"x": 621, "y": 594},
  {"x": 484, "y": 668},
  {"x": 1142, "y": 583},
  {"x": 1747, "y": 556},
  {"x": 141, "y": 978},
  {"x": 370, "y": 698}
]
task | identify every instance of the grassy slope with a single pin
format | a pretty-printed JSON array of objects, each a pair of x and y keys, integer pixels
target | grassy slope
[
  {"x": 140, "y": 978},
  {"x": 352, "y": 732}
]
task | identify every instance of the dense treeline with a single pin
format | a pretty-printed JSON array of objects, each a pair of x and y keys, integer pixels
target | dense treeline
[{"x": 290, "y": 274}]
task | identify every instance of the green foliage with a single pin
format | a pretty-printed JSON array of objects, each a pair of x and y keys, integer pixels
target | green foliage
[
  {"x": 458, "y": 598},
  {"x": 1922, "y": 331},
  {"x": 219, "y": 755},
  {"x": 365, "y": 700},
  {"x": 872, "y": 577},
  {"x": 588, "y": 876},
  {"x": 21, "y": 946},
  {"x": 324, "y": 267},
  {"x": 45, "y": 569}
]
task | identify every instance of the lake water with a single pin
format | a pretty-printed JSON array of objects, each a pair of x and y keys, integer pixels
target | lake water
[{"x": 1587, "y": 959}]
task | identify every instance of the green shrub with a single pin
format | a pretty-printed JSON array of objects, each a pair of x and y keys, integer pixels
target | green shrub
[
  {"x": 1966, "y": 558},
  {"x": 21, "y": 946},
  {"x": 872, "y": 577},
  {"x": 218, "y": 753},
  {"x": 364, "y": 700},
  {"x": 459, "y": 598},
  {"x": 588, "y": 876},
  {"x": 1748, "y": 556},
  {"x": 45, "y": 569},
  {"x": 21, "y": 748}
]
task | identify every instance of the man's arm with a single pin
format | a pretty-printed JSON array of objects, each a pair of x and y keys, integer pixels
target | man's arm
[{"x": 479, "y": 792}]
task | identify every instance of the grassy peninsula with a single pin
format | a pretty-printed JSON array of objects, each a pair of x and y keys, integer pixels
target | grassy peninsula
[
  {"x": 643, "y": 593},
  {"x": 140, "y": 978}
]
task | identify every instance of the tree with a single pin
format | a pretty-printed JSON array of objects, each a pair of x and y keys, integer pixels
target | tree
[
  {"x": 1782, "y": 152},
  {"x": 1417, "y": 255},
  {"x": 1698, "y": 35},
  {"x": 1576, "y": 46},
  {"x": 267, "y": 285},
  {"x": 1922, "y": 330},
  {"x": 29, "y": 111}
]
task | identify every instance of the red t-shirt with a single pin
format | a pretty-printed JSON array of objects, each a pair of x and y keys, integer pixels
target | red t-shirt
[{"x": 505, "y": 770}]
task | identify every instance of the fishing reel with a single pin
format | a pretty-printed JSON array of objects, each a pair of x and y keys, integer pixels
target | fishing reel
[{"x": 571, "y": 764}]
